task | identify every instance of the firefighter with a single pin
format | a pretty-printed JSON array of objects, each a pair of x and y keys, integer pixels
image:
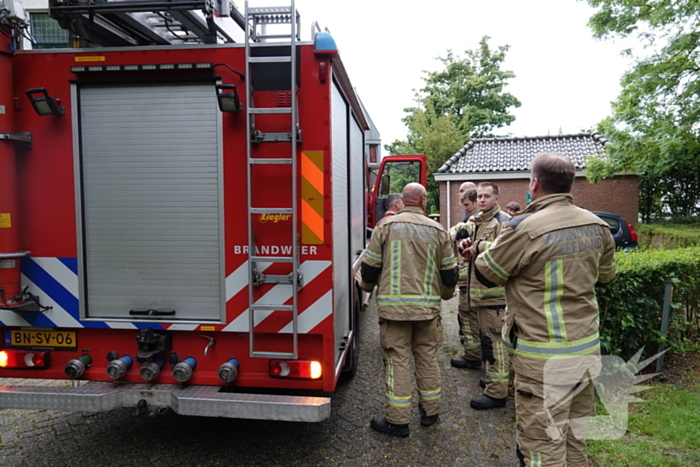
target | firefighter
[
  {"x": 466, "y": 315},
  {"x": 392, "y": 204},
  {"x": 489, "y": 303},
  {"x": 550, "y": 258},
  {"x": 414, "y": 257}
]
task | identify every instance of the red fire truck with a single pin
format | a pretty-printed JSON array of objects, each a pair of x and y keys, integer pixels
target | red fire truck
[{"x": 182, "y": 211}]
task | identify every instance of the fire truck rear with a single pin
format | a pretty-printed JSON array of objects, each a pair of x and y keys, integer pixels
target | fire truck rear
[{"x": 182, "y": 212}]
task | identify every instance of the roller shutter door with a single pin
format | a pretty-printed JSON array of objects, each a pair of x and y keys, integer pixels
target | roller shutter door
[{"x": 150, "y": 175}]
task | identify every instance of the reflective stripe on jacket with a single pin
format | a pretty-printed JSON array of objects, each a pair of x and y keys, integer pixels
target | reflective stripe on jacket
[{"x": 487, "y": 226}]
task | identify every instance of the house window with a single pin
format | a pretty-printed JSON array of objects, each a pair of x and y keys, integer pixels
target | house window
[{"x": 46, "y": 32}]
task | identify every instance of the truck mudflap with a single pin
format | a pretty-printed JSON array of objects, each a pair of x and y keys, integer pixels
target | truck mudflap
[{"x": 204, "y": 401}]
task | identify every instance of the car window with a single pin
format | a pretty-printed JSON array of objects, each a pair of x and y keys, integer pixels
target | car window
[{"x": 613, "y": 223}]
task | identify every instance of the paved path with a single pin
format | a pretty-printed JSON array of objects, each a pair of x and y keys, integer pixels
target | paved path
[{"x": 462, "y": 438}]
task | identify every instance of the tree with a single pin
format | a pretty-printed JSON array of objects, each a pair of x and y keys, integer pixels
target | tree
[
  {"x": 655, "y": 127},
  {"x": 465, "y": 100}
]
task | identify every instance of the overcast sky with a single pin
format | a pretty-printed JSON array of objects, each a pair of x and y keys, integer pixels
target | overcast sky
[{"x": 564, "y": 78}]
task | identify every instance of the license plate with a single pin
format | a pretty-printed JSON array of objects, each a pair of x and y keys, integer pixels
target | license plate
[{"x": 41, "y": 339}]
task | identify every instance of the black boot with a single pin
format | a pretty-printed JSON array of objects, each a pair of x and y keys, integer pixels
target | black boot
[
  {"x": 380, "y": 424},
  {"x": 485, "y": 402},
  {"x": 461, "y": 362},
  {"x": 425, "y": 419},
  {"x": 482, "y": 383}
]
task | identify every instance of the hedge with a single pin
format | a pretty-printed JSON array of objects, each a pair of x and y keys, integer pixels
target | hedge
[
  {"x": 668, "y": 236},
  {"x": 631, "y": 304}
]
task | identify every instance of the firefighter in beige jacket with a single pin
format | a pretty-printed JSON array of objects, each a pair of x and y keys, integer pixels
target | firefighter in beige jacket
[
  {"x": 550, "y": 258},
  {"x": 411, "y": 257},
  {"x": 466, "y": 316},
  {"x": 489, "y": 303}
]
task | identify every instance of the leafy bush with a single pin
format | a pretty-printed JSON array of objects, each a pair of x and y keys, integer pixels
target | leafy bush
[
  {"x": 631, "y": 305},
  {"x": 668, "y": 236}
]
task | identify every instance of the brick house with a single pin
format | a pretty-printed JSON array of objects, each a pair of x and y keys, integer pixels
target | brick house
[{"x": 505, "y": 162}]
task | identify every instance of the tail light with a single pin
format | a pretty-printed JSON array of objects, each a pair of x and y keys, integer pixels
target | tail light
[
  {"x": 23, "y": 359},
  {"x": 633, "y": 234},
  {"x": 76, "y": 367},
  {"x": 116, "y": 369},
  {"x": 298, "y": 369},
  {"x": 184, "y": 369},
  {"x": 228, "y": 371},
  {"x": 150, "y": 370}
]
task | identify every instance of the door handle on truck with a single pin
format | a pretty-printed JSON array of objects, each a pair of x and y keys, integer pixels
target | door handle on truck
[{"x": 151, "y": 312}]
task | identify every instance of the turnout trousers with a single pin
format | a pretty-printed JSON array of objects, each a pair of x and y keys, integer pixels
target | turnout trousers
[
  {"x": 469, "y": 325},
  {"x": 400, "y": 340},
  {"x": 551, "y": 422},
  {"x": 493, "y": 351}
]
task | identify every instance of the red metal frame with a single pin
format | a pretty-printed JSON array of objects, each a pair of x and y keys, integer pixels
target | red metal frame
[{"x": 372, "y": 217}]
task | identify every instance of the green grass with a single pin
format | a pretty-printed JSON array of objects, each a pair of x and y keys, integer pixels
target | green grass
[{"x": 664, "y": 431}]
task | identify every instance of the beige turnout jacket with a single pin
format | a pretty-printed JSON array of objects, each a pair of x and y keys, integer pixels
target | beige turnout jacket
[
  {"x": 410, "y": 250},
  {"x": 550, "y": 258}
]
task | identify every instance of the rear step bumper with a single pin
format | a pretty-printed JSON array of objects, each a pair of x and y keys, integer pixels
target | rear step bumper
[{"x": 204, "y": 401}]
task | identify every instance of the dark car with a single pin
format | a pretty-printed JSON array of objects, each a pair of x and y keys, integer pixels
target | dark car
[{"x": 622, "y": 231}]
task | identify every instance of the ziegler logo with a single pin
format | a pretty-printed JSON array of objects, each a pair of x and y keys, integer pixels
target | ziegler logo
[{"x": 274, "y": 218}]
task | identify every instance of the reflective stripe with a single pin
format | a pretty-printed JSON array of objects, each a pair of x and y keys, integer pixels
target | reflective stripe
[
  {"x": 390, "y": 375},
  {"x": 495, "y": 267},
  {"x": 372, "y": 255},
  {"x": 468, "y": 341},
  {"x": 553, "y": 291},
  {"x": 407, "y": 299},
  {"x": 395, "y": 267},
  {"x": 493, "y": 292},
  {"x": 429, "y": 276},
  {"x": 430, "y": 395},
  {"x": 397, "y": 401},
  {"x": 498, "y": 377},
  {"x": 463, "y": 273},
  {"x": 500, "y": 350},
  {"x": 448, "y": 260},
  {"x": 535, "y": 459},
  {"x": 606, "y": 269},
  {"x": 546, "y": 350}
]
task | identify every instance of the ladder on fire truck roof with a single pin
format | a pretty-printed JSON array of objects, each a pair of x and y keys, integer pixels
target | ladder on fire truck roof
[
  {"x": 119, "y": 23},
  {"x": 257, "y": 21}
]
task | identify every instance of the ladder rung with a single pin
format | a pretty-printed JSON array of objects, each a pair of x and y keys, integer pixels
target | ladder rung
[
  {"x": 272, "y": 259},
  {"x": 270, "y": 110},
  {"x": 283, "y": 59},
  {"x": 273, "y": 307},
  {"x": 271, "y": 210},
  {"x": 260, "y": 137},
  {"x": 270, "y": 161},
  {"x": 273, "y": 36}
]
